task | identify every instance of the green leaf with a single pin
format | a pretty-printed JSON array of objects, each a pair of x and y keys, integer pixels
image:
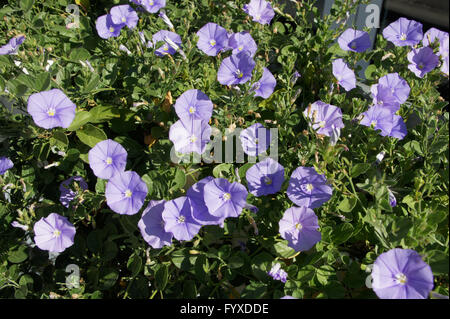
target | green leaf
[
  {"x": 256, "y": 290},
  {"x": 347, "y": 204},
  {"x": 59, "y": 139},
  {"x": 283, "y": 250},
  {"x": 223, "y": 170},
  {"x": 42, "y": 82},
  {"x": 161, "y": 277},
  {"x": 179, "y": 180},
  {"x": 359, "y": 169},
  {"x": 26, "y": 5},
  {"x": 341, "y": 233},
  {"x": 100, "y": 114},
  {"x": 81, "y": 118},
  {"x": 108, "y": 278},
  {"x": 189, "y": 289},
  {"x": 370, "y": 72},
  {"x": 91, "y": 135},
  {"x": 79, "y": 54},
  {"x": 134, "y": 264},
  {"x": 235, "y": 262},
  {"x": 18, "y": 254}
]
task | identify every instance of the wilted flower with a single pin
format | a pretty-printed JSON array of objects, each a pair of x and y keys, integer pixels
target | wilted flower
[
  {"x": 66, "y": 193},
  {"x": 12, "y": 46},
  {"x": 153, "y": 6},
  {"x": 401, "y": 274},
  {"x": 125, "y": 193},
  {"x": 107, "y": 158},
  {"x": 255, "y": 139},
  {"x": 106, "y": 28},
  {"x": 323, "y": 116},
  {"x": 177, "y": 216},
  {"x": 194, "y": 104},
  {"x": 432, "y": 35},
  {"x": 242, "y": 41},
  {"x": 51, "y": 109},
  {"x": 162, "y": 14},
  {"x": 266, "y": 84},
  {"x": 299, "y": 226},
  {"x": 422, "y": 61},
  {"x": 224, "y": 199},
  {"x": 5, "y": 164},
  {"x": 344, "y": 75},
  {"x": 200, "y": 211},
  {"x": 152, "y": 224},
  {"x": 165, "y": 48},
  {"x": 54, "y": 233},
  {"x": 265, "y": 177},
  {"x": 125, "y": 15},
  {"x": 404, "y": 32},
  {"x": 398, "y": 86},
  {"x": 295, "y": 77},
  {"x": 354, "y": 40},
  {"x": 308, "y": 188},
  {"x": 236, "y": 69},
  {"x": 190, "y": 136},
  {"x": 212, "y": 38},
  {"x": 277, "y": 273},
  {"x": 16, "y": 224},
  {"x": 392, "y": 199},
  {"x": 260, "y": 10}
]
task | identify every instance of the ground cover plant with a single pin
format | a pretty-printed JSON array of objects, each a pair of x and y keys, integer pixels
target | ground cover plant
[{"x": 117, "y": 176}]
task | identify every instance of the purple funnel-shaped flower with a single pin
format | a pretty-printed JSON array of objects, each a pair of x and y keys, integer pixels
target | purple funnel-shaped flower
[
  {"x": 224, "y": 199},
  {"x": 308, "y": 188},
  {"x": 404, "y": 32},
  {"x": 166, "y": 48},
  {"x": 194, "y": 104},
  {"x": 190, "y": 136},
  {"x": 236, "y": 69},
  {"x": 384, "y": 97},
  {"x": 177, "y": 216},
  {"x": 124, "y": 15},
  {"x": 153, "y": 6},
  {"x": 5, "y": 164},
  {"x": 12, "y": 46},
  {"x": 67, "y": 193},
  {"x": 212, "y": 38},
  {"x": 242, "y": 41},
  {"x": 200, "y": 212},
  {"x": 398, "y": 86},
  {"x": 443, "y": 52},
  {"x": 260, "y": 10},
  {"x": 344, "y": 75},
  {"x": 432, "y": 35},
  {"x": 125, "y": 193},
  {"x": 422, "y": 61},
  {"x": 266, "y": 84},
  {"x": 380, "y": 118},
  {"x": 107, "y": 158},
  {"x": 255, "y": 139},
  {"x": 354, "y": 40},
  {"x": 277, "y": 273},
  {"x": 106, "y": 28},
  {"x": 265, "y": 177},
  {"x": 323, "y": 116},
  {"x": 401, "y": 274},
  {"x": 152, "y": 224},
  {"x": 51, "y": 109},
  {"x": 299, "y": 227},
  {"x": 54, "y": 233}
]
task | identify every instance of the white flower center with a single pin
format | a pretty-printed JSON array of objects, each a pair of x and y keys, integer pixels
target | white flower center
[
  {"x": 109, "y": 160},
  {"x": 151, "y": 2},
  {"x": 166, "y": 47},
  {"x": 373, "y": 123},
  {"x": 239, "y": 74},
  {"x": 267, "y": 180},
  {"x": 322, "y": 124},
  {"x": 124, "y": 19},
  {"x": 403, "y": 37},
  {"x": 212, "y": 42},
  {"x": 226, "y": 196},
  {"x": 56, "y": 233},
  {"x": 51, "y": 112},
  {"x": 240, "y": 48},
  {"x": 420, "y": 66},
  {"x": 309, "y": 187},
  {"x": 181, "y": 219},
  {"x": 128, "y": 193},
  {"x": 298, "y": 226},
  {"x": 401, "y": 278},
  {"x": 257, "y": 17},
  {"x": 193, "y": 139},
  {"x": 353, "y": 45},
  {"x": 111, "y": 29},
  {"x": 192, "y": 110}
]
